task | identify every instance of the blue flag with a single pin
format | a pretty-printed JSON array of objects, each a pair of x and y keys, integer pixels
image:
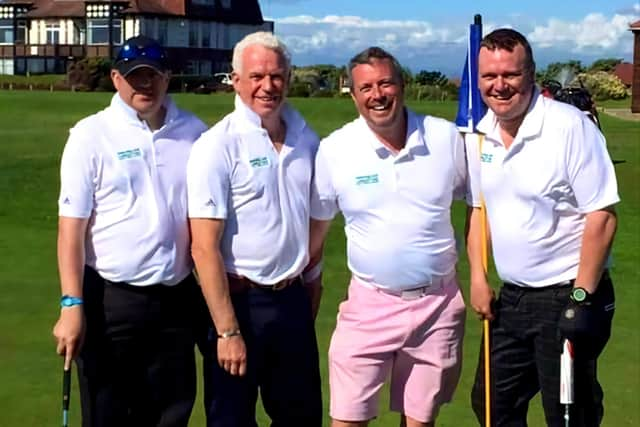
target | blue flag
[{"x": 470, "y": 105}]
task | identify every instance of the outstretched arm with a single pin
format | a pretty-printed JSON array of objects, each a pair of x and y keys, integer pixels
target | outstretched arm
[{"x": 70, "y": 327}]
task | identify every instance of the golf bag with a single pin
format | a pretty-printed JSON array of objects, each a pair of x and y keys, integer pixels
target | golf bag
[{"x": 579, "y": 97}]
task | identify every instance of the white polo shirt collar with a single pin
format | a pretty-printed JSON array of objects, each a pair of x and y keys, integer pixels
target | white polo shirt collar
[
  {"x": 530, "y": 128},
  {"x": 413, "y": 138},
  {"x": 245, "y": 115}
]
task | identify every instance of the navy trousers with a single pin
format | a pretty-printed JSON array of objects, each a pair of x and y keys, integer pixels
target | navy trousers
[
  {"x": 282, "y": 363},
  {"x": 525, "y": 358},
  {"x": 137, "y": 364}
]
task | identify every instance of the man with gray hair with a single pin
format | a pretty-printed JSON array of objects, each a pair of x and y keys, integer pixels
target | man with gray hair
[{"x": 249, "y": 188}]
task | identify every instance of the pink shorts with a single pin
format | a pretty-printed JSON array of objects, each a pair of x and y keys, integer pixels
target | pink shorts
[{"x": 418, "y": 342}]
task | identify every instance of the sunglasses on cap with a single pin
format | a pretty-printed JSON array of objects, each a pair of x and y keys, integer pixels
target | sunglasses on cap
[{"x": 130, "y": 52}]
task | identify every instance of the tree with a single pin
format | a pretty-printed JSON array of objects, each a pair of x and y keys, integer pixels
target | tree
[
  {"x": 407, "y": 76},
  {"x": 431, "y": 78},
  {"x": 606, "y": 64}
]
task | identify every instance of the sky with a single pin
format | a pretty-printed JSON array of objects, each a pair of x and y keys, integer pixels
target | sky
[{"x": 432, "y": 34}]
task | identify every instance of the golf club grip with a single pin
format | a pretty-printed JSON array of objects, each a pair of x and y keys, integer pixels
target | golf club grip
[{"x": 66, "y": 388}]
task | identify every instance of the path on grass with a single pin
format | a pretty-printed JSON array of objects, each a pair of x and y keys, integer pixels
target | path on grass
[{"x": 622, "y": 113}]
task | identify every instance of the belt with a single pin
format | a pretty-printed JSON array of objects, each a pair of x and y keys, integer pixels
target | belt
[
  {"x": 242, "y": 284},
  {"x": 435, "y": 284},
  {"x": 559, "y": 285}
]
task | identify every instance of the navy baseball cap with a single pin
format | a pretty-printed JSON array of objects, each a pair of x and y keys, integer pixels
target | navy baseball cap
[{"x": 141, "y": 51}]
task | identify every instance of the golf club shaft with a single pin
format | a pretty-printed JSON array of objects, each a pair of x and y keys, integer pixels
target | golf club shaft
[{"x": 66, "y": 393}]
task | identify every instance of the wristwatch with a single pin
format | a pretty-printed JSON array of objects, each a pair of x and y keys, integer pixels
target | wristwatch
[
  {"x": 580, "y": 295},
  {"x": 229, "y": 334},
  {"x": 69, "y": 301}
]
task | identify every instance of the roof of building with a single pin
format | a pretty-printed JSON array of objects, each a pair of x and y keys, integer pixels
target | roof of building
[
  {"x": 635, "y": 25},
  {"x": 240, "y": 12},
  {"x": 624, "y": 71}
]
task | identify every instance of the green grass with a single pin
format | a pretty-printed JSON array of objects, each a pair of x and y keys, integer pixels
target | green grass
[{"x": 33, "y": 129}]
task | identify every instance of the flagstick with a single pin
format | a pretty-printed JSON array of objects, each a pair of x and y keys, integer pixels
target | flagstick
[{"x": 485, "y": 323}]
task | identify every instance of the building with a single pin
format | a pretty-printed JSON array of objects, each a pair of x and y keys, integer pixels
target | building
[
  {"x": 624, "y": 71},
  {"x": 635, "y": 87},
  {"x": 46, "y": 36}
]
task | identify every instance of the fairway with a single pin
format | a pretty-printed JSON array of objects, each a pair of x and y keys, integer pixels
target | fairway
[{"x": 33, "y": 130}]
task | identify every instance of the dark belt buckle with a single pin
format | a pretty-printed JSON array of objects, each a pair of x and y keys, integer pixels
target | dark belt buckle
[{"x": 281, "y": 284}]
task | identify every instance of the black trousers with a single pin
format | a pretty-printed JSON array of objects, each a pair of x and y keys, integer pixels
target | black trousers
[
  {"x": 525, "y": 358},
  {"x": 282, "y": 363},
  {"x": 137, "y": 364}
]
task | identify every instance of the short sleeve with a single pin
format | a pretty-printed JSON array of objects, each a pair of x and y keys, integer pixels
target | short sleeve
[
  {"x": 590, "y": 170},
  {"x": 324, "y": 204},
  {"x": 208, "y": 171},
  {"x": 78, "y": 171},
  {"x": 472, "y": 144},
  {"x": 460, "y": 185}
]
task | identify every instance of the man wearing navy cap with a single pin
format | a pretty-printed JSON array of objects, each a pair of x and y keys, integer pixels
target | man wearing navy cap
[{"x": 123, "y": 250}]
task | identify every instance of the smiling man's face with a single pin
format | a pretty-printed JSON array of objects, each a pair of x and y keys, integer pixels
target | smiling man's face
[
  {"x": 378, "y": 94},
  {"x": 505, "y": 82},
  {"x": 262, "y": 81}
]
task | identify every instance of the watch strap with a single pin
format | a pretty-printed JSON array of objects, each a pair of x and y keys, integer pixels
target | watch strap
[
  {"x": 70, "y": 301},
  {"x": 228, "y": 334}
]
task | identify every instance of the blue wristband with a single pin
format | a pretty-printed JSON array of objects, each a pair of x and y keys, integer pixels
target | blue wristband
[{"x": 69, "y": 301}]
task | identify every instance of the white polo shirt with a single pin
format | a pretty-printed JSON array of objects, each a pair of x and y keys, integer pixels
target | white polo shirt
[
  {"x": 236, "y": 174},
  {"x": 397, "y": 209},
  {"x": 131, "y": 184},
  {"x": 538, "y": 191}
]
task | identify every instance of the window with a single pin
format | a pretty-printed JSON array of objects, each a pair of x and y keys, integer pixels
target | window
[
  {"x": 98, "y": 31},
  {"x": 205, "y": 34},
  {"x": 193, "y": 33},
  {"x": 204, "y": 2},
  {"x": 6, "y": 31},
  {"x": 53, "y": 33},
  {"x": 22, "y": 30},
  {"x": 192, "y": 67},
  {"x": 205, "y": 68},
  {"x": 163, "y": 32},
  {"x": 223, "y": 40},
  {"x": 226, "y": 3},
  {"x": 149, "y": 27},
  {"x": 6, "y": 66}
]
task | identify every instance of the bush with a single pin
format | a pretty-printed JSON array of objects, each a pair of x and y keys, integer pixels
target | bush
[
  {"x": 299, "y": 89},
  {"x": 88, "y": 74},
  {"x": 322, "y": 93},
  {"x": 419, "y": 92},
  {"x": 37, "y": 82},
  {"x": 603, "y": 85}
]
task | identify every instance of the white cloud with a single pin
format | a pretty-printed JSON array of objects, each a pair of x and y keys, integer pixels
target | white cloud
[
  {"x": 434, "y": 46},
  {"x": 594, "y": 34}
]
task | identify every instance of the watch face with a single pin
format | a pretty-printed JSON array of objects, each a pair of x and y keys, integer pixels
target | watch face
[{"x": 579, "y": 294}]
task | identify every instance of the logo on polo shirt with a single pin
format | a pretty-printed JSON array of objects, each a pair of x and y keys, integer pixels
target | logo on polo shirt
[
  {"x": 486, "y": 158},
  {"x": 259, "y": 162},
  {"x": 210, "y": 203},
  {"x": 367, "y": 179},
  {"x": 129, "y": 154}
]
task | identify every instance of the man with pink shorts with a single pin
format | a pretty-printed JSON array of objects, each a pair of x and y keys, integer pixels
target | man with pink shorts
[{"x": 393, "y": 174}]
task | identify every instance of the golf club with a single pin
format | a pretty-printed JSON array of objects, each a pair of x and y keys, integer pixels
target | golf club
[{"x": 66, "y": 393}]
